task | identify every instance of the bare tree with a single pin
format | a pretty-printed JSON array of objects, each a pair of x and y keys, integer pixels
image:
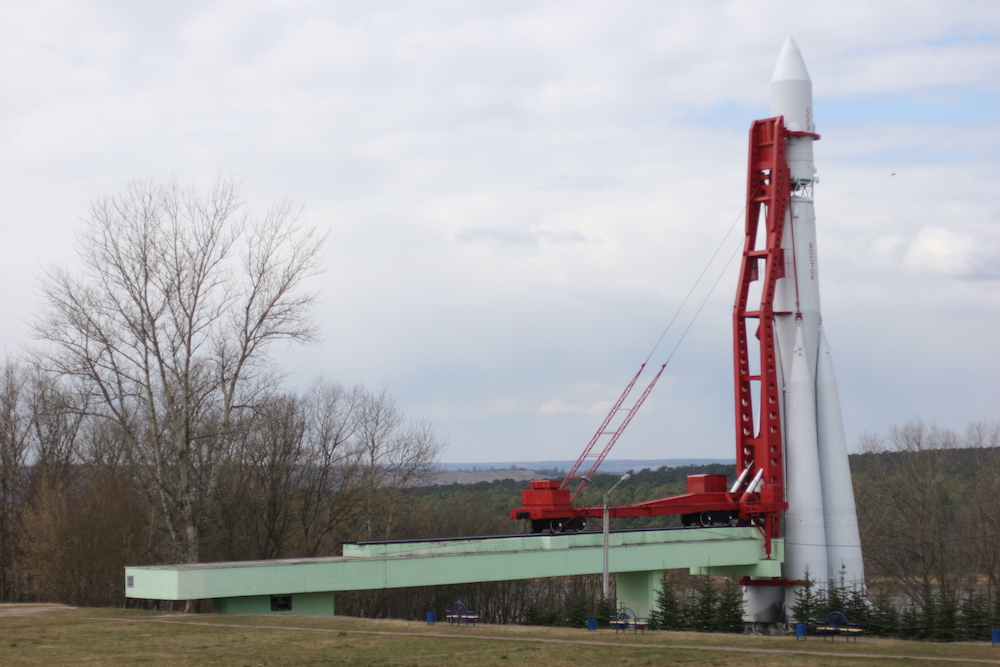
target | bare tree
[
  {"x": 393, "y": 456},
  {"x": 81, "y": 537},
  {"x": 319, "y": 469},
  {"x": 15, "y": 438},
  {"x": 921, "y": 527},
  {"x": 168, "y": 328},
  {"x": 984, "y": 440},
  {"x": 57, "y": 418},
  {"x": 330, "y": 497},
  {"x": 275, "y": 466}
]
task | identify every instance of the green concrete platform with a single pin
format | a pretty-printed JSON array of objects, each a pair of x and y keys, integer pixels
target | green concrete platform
[{"x": 638, "y": 557}]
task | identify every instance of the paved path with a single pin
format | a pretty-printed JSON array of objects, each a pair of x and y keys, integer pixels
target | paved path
[{"x": 30, "y": 609}]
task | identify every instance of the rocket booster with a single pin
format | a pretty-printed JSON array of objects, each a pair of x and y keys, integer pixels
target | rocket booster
[
  {"x": 821, "y": 528},
  {"x": 840, "y": 515}
]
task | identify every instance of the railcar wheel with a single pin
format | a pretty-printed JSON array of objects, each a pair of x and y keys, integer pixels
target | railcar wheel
[{"x": 725, "y": 518}]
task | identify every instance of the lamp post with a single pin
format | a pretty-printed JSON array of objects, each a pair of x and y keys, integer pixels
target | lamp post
[{"x": 606, "y": 584}]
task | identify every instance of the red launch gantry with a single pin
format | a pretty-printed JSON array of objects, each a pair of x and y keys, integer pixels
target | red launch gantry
[{"x": 758, "y": 495}]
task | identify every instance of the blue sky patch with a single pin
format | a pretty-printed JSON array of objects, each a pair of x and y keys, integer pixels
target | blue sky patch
[{"x": 943, "y": 105}]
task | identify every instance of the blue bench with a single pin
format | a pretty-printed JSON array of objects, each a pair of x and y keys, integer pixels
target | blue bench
[
  {"x": 836, "y": 623},
  {"x": 625, "y": 618},
  {"x": 459, "y": 613}
]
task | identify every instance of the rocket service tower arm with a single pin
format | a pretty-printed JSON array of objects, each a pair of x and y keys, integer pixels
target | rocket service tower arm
[{"x": 759, "y": 447}]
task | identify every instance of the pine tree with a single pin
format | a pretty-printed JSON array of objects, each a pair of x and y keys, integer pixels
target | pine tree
[
  {"x": 927, "y": 613},
  {"x": 667, "y": 614},
  {"x": 535, "y": 614},
  {"x": 836, "y": 593},
  {"x": 604, "y": 608},
  {"x": 805, "y": 609},
  {"x": 974, "y": 616},
  {"x": 729, "y": 607},
  {"x": 576, "y": 612},
  {"x": 944, "y": 626},
  {"x": 532, "y": 614},
  {"x": 995, "y": 609},
  {"x": 883, "y": 619},
  {"x": 857, "y": 608},
  {"x": 703, "y": 605},
  {"x": 687, "y": 602},
  {"x": 910, "y": 621}
]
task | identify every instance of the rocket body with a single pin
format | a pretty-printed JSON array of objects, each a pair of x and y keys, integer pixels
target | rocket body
[{"x": 821, "y": 528}]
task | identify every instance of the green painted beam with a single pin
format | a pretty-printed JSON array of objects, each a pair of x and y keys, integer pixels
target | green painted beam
[{"x": 396, "y": 565}]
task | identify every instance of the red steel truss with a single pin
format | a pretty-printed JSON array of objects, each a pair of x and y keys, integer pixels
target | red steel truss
[{"x": 758, "y": 442}]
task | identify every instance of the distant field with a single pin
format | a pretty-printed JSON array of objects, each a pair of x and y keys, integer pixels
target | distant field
[
  {"x": 445, "y": 477},
  {"x": 45, "y": 636},
  {"x": 609, "y": 466},
  {"x": 472, "y": 473}
]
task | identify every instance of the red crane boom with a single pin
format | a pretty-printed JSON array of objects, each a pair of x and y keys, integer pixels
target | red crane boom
[
  {"x": 758, "y": 496},
  {"x": 603, "y": 431}
]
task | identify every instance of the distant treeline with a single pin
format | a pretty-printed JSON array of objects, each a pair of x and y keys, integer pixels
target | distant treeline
[
  {"x": 500, "y": 496},
  {"x": 297, "y": 477},
  {"x": 929, "y": 513},
  {"x": 305, "y": 473}
]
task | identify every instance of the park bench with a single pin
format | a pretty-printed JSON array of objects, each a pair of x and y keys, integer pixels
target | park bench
[
  {"x": 625, "y": 618},
  {"x": 459, "y": 613},
  {"x": 836, "y": 623}
]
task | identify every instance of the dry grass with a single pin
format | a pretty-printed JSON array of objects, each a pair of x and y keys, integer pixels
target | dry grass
[{"x": 118, "y": 637}]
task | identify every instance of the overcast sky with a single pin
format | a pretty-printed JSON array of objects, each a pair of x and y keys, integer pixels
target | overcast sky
[{"x": 519, "y": 195}]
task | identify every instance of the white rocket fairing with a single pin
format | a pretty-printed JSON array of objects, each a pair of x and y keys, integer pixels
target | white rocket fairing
[{"x": 821, "y": 527}]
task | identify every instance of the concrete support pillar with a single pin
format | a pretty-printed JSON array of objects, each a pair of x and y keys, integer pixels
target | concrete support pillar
[{"x": 637, "y": 590}]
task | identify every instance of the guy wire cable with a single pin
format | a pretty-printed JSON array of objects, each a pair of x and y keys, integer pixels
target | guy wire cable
[
  {"x": 702, "y": 305},
  {"x": 693, "y": 288}
]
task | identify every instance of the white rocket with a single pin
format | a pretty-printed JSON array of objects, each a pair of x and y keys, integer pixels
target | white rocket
[{"x": 821, "y": 525}]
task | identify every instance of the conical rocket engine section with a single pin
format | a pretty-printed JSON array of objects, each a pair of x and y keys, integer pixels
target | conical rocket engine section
[{"x": 840, "y": 515}]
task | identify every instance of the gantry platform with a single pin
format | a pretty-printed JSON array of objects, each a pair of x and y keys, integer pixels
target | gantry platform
[{"x": 307, "y": 585}]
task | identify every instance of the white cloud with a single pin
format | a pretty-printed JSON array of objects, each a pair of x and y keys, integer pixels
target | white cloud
[
  {"x": 520, "y": 194},
  {"x": 558, "y": 406},
  {"x": 532, "y": 238},
  {"x": 885, "y": 249},
  {"x": 941, "y": 251}
]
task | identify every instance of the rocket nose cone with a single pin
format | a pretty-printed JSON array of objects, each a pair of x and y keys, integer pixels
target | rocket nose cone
[
  {"x": 791, "y": 96},
  {"x": 791, "y": 66}
]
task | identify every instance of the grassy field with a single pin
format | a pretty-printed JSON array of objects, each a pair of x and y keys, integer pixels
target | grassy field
[{"x": 117, "y": 637}]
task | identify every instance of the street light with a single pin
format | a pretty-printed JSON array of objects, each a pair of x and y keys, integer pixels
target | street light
[{"x": 606, "y": 584}]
